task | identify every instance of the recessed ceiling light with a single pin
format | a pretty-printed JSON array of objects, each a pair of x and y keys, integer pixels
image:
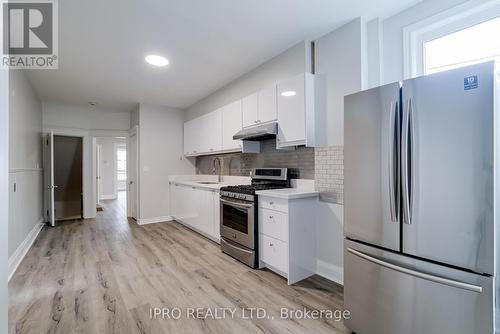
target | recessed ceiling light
[
  {"x": 156, "y": 60},
  {"x": 288, "y": 93}
]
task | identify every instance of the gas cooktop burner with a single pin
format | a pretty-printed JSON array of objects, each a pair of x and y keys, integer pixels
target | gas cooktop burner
[{"x": 250, "y": 189}]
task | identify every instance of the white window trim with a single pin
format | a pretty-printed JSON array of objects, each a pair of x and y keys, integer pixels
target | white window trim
[{"x": 457, "y": 18}]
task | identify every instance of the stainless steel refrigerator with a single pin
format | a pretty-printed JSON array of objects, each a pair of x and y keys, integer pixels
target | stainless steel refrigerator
[{"x": 421, "y": 204}]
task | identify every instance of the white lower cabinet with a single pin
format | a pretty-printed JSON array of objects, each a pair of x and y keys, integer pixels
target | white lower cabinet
[
  {"x": 197, "y": 208},
  {"x": 287, "y": 236},
  {"x": 274, "y": 253}
]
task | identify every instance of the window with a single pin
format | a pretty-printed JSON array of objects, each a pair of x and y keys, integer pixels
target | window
[
  {"x": 121, "y": 164},
  {"x": 472, "y": 45},
  {"x": 461, "y": 35}
]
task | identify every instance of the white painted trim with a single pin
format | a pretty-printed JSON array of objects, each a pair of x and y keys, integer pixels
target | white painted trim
[
  {"x": 154, "y": 220},
  {"x": 104, "y": 197},
  {"x": 456, "y": 18},
  {"x": 134, "y": 131},
  {"x": 332, "y": 272},
  {"x": 17, "y": 257}
]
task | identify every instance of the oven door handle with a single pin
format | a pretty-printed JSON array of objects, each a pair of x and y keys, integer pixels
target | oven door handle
[{"x": 241, "y": 205}]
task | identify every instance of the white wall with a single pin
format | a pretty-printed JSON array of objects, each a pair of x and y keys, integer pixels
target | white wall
[
  {"x": 4, "y": 200},
  {"x": 392, "y": 60},
  {"x": 160, "y": 155},
  {"x": 60, "y": 115},
  {"x": 88, "y": 123},
  {"x": 291, "y": 62},
  {"x": 25, "y": 160},
  {"x": 340, "y": 62},
  {"x": 108, "y": 165}
]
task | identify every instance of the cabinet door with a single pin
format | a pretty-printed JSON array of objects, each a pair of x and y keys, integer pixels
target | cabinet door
[
  {"x": 250, "y": 110},
  {"x": 231, "y": 124},
  {"x": 291, "y": 112},
  {"x": 174, "y": 200},
  {"x": 206, "y": 211},
  {"x": 212, "y": 132},
  {"x": 216, "y": 206},
  {"x": 267, "y": 105},
  {"x": 189, "y": 137}
]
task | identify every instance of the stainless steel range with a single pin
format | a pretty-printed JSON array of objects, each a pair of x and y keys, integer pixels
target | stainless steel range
[{"x": 238, "y": 219}]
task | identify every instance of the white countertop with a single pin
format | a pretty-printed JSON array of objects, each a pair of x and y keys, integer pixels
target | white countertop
[
  {"x": 196, "y": 181},
  {"x": 289, "y": 193},
  {"x": 197, "y": 184}
]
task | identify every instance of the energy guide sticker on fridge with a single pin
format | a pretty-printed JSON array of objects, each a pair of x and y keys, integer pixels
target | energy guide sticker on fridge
[{"x": 470, "y": 82}]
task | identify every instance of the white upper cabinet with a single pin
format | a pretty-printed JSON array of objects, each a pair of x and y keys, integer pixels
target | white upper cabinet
[
  {"x": 210, "y": 136},
  {"x": 259, "y": 107},
  {"x": 190, "y": 137},
  {"x": 296, "y": 112},
  {"x": 293, "y": 102},
  {"x": 267, "y": 105},
  {"x": 231, "y": 124},
  {"x": 203, "y": 135},
  {"x": 250, "y": 109}
]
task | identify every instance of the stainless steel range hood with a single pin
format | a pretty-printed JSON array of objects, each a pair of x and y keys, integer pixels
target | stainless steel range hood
[{"x": 259, "y": 132}]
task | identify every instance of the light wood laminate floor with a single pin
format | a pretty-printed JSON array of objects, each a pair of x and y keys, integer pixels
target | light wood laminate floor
[{"x": 103, "y": 275}]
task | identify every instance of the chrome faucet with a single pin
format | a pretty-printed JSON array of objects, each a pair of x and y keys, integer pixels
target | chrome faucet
[{"x": 214, "y": 170}]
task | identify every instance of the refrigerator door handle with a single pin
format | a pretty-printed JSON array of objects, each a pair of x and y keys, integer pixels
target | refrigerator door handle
[
  {"x": 418, "y": 274},
  {"x": 393, "y": 119},
  {"x": 407, "y": 144}
]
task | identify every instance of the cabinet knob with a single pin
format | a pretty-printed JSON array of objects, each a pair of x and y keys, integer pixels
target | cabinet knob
[
  {"x": 271, "y": 203},
  {"x": 271, "y": 244},
  {"x": 271, "y": 217}
]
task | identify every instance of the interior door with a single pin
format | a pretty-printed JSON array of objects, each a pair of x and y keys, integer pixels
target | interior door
[
  {"x": 48, "y": 177},
  {"x": 448, "y": 179},
  {"x": 132, "y": 173},
  {"x": 98, "y": 168},
  {"x": 371, "y": 203}
]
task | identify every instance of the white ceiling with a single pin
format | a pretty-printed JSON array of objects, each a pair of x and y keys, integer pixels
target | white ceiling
[{"x": 102, "y": 44}]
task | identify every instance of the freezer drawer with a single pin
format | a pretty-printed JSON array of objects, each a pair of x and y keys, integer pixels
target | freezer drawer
[{"x": 388, "y": 293}]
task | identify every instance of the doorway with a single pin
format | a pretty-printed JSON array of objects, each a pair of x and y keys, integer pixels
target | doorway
[
  {"x": 111, "y": 175},
  {"x": 68, "y": 177}
]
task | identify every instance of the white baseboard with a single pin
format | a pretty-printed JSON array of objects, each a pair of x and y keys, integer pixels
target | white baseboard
[
  {"x": 332, "y": 272},
  {"x": 19, "y": 254},
  {"x": 145, "y": 221},
  {"x": 105, "y": 197}
]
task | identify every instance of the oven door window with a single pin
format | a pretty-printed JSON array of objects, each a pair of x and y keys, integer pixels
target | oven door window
[{"x": 235, "y": 218}]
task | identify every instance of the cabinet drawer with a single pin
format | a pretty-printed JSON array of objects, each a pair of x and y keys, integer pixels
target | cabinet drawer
[
  {"x": 277, "y": 204},
  {"x": 274, "y": 253},
  {"x": 274, "y": 224}
]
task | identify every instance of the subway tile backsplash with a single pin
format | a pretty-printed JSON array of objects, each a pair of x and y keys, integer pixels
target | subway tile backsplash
[
  {"x": 324, "y": 164},
  {"x": 300, "y": 161},
  {"x": 329, "y": 180}
]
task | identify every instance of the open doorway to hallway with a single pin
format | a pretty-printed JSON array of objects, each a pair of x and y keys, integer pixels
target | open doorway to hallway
[{"x": 111, "y": 175}]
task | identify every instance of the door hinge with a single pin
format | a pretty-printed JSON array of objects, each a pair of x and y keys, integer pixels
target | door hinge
[
  {"x": 15, "y": 187},
  {"x": 48, "y": 214},
  {"x": 47, "y": 142}
]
